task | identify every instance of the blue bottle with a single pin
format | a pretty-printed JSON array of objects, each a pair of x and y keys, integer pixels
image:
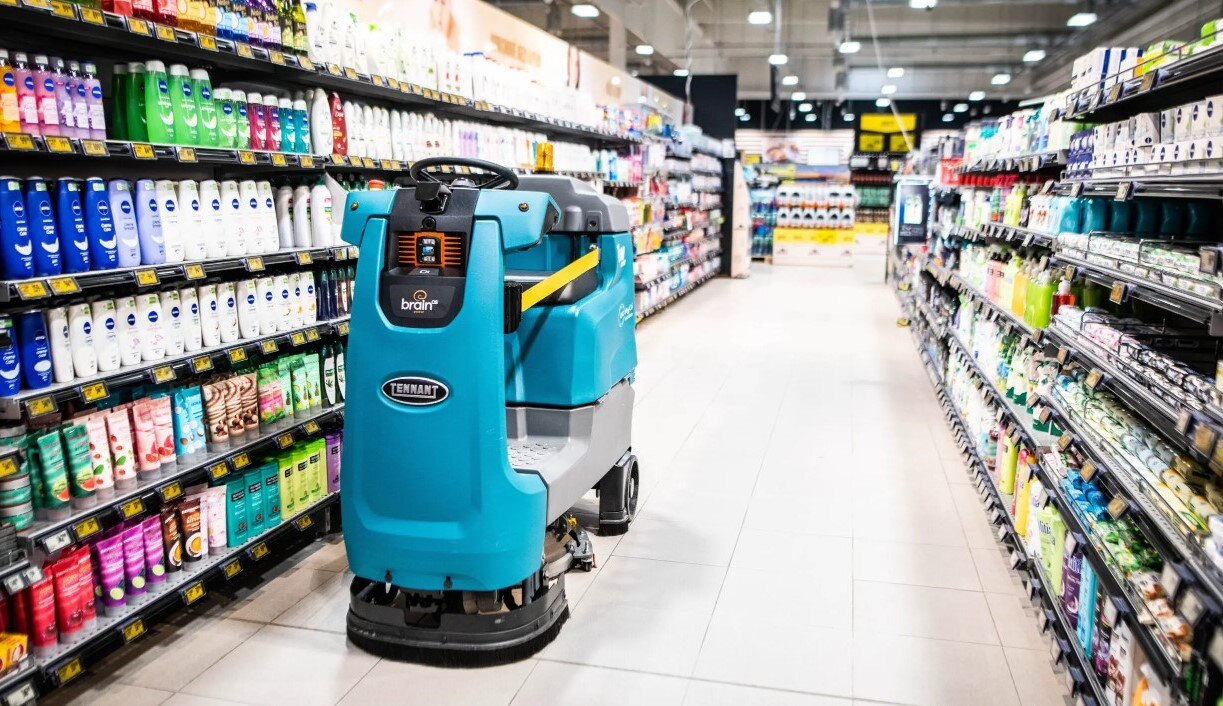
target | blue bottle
[
  {"x": 103, "y": 246},
  {"x": 17, "y": 258},
  {"x": 10, "y": 364},
  {"x": 42, "y": 227},
  {"x": 123, "y": 211},
  {"x": 34, "y": 351},
  {"x": 148, "y": 222},
  {"x": 70, "y": 220}
]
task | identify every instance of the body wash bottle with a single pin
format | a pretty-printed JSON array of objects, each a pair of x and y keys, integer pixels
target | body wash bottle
[
  {"x": 70, "y": 222},
  {"x": 99, "y": 226},
  {"x": 191, "y": 222},
  {"x": 148, "y": 220},
  {"x": 42, "y": 227},
  {"x": 80, "y": 336},
  {"x": 129, "y": 330},
  {"x": 212, "y": 226},
  {"x": 106, "y": 335},
  {"x": 61, "y": 344},
  {"x": 123, "y": 211},
  {"x": 171, "y": 221}
]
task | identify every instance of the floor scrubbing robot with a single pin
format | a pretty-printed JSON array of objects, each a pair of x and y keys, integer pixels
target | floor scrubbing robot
[{"x": 490, "y": 362}]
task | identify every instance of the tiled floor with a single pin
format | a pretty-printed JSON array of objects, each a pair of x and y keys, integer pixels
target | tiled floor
[{"x": 808, "y": 538}]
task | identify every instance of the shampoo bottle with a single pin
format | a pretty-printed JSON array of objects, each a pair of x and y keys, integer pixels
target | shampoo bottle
[
  {"x": 27, "y": 102},
  {"x": 158, "y": 105},
  {"x": 42, "y": 227},
  {"x": 103, "y": 245},
  {"x": 301, "y": 217},
  {"x": 61, "y": 344},
  {"x": 80, "y": 337},
  {"x": 269, "y": 310},
  {"x": 288, "y": 126},
  {"x": 267, "y": 216},
  {"x": 123, "y": 211},
  {"x": 171, "y": 220},
  {"x": 135, "y": 106},
  {"x": 284, "y": 216},
  {"x": 205, "y": 108},
  {"x": 227, "y": 300},
  {"x": 10, "y": 117},
  {"x": 148, "y": 220},
  {"x": 257, "y": 116},
  {"x": 35, "y": 350},
  {"x": 17, "y": 259},
  {"x": 248, "y": 309},
  {"x": 339, "y": 130},
  {"x": 106, "y": 335},
  {"x": 191, "y": 224},
  {"x": 320, "y": 214},
  {"x": 216, "y": 243},
  {"x": 227, "y": 120},
  {"x": 242, "y": 126},
  {"x": 117, "y": 120},
  {"x": 252, "y": 225},
  {"x": 210, "y": 316},
  {"x": 320, "y": 123},
  {"x": 231, "y": 216},
  {"x": 271, "y": 123},
  {"x": 152, "y": 330},
  {"x": 184, "y": 105},
  {"x": 10, "y": 366},
  {"x": 94, "y": 109},
  {"x": 44, "y": 94},
  {"x": 129, "y": 330},
  {"x": 301, "y": 125},
  {"x": 172, "y": 321}
]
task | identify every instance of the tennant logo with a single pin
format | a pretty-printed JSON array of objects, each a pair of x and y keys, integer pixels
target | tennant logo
[
  {"x": 415, "y": 391},
  {"x": 419, "y": 303}
]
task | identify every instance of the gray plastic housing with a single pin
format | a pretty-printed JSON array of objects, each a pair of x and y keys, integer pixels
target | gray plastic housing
[{"x": 583, "y": 210}]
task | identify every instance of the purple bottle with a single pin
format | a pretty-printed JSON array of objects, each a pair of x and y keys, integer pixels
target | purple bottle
[
  {"x": 91, "y": 88},
  {"x": 335, "y": 446},
  {"x": 44, "y": 93},
  {"x": 27, "y": 102},
  {"x": 80, "y": 109},
  {"x": 65, "y": 98}
]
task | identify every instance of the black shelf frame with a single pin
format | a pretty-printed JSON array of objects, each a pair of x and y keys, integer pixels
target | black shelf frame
[{"x": 1188, "y": 79}]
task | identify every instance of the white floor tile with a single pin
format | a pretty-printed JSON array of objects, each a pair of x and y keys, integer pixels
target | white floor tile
[
  {"x": 829, "y": 514},
  {"x": 780, "y": 550},
  {"x": 557, "y": 683},
  {"x": 1016, "y": 620},
  {"x": 627, "y": 637},
  {"x": 917, "y": 564},
  {"x": 914, "y": 670},
  {"x": 657, "y": 585},
  {"x": 391, "y": 682},
  {"x": 273, "y": 598},
  {"x": 690, "y": 541},
  {"x": 776, "y": 654},
  {"x": 106, "y": 692},
  {"x": 922, "y": 611},
  {"x": 785, "y": 593},
  {"x": 171, "y": 657},
  {"x": 706, "y": 693},
  {"x": 1034, "y": 679}
]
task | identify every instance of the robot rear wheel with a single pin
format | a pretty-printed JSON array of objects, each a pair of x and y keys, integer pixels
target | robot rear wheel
[{"x": 618, "y": 491}]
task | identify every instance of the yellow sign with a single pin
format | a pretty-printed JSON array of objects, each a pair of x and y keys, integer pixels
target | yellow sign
[
  {"x": 33, "y": 289},
  {"x": 92, "y": 15},
  {"x": 64, "y": 285},
  {"x": 171, "y": 491},
  {"x": 259, "y": 551},
  {"x": 244, "y": 50},
  {"x": 143, "y": 150},
  {"x": 7, "y": 467},
  {"x": 304, "y": 522},
  {"x": 209, "y": 42},
  {"x": 242, "y": 460},
  {"x": 201, "y": 364},
  {"x": 194, "y": 271},
  {"x": 232, "y": 569},
  {"x": 60, "y": 8},
  {"x": 131, "y": 508},
  {"x": 285, "y": 440},
  {"x": 94, "y": 148},
  {"x": 147, "y": 278},
  {"x": 69, "y": 671},
  {"x": 218, "y": 470},
  {"x": 268, "y": 347},
  {"x": 311, "y": 427},
  {"x": 870, "y": 143},
  {"x": 162, "y": 374},
  {"x": 246, "y": 157},
  {"x": 305, "y": 258},
  {"x": 58, "y": 145},
  {"x": 86, "y": 528},
  {"x": 887, "y": 122},
  {"x": 133, "y": 630},
  {"x": 186, "y": 154},
  {"x": 164, "y": 33},
  {"x": 40, "y": 406},
  {"x": 19, "y": 141},
  {"x": 94, "y": 391},
  {"x": 306, "y": 161},
  {"x": 278, "y": 159},
  {"x": 194, "y": 592}
]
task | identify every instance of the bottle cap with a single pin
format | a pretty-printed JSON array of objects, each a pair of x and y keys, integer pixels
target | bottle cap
[
  {"x": 137, "y": 67},
  {"x": 74, "y": 66},
  {"x": 155, "y": 66},
  {"x": 177, "y": 70},
  {"x": 57, "y": 62},
  {"x": 92, "y": 68},
  {"x": 20, "y": 57},
  {"x": 40, "y": 58},
  {"x": 271, "y": 100},
  {"x": 199, "y": 74},
  {"x": 222, "y": 94},
  {"x": 3, "y": 53}
]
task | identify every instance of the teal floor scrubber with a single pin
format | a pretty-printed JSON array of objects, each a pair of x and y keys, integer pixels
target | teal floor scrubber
[{"x": 490, "y": 363}]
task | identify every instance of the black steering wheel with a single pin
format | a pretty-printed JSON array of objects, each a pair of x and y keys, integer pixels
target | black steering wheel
[{"x": 489, "y": 176}]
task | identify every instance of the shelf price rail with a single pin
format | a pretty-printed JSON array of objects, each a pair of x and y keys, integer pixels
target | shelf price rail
[{"x": 1195, "y": 307}]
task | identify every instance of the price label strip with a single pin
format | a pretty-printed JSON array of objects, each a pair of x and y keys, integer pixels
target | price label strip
[
  {"x": 131, "y": 508},
  {"x": 132, "y": 630},
  {"x": 232, "y": 569},
  {"x": 193, "y": 593},
  {"x": 258, "y": 551},
  {"x": 170, "y": 491},
  {"x": 218, "y": 470},
  {"x": 86, "y": 528}
]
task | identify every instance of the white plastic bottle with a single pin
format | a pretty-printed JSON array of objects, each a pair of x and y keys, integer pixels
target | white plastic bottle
[
  {"x": 152, "y": 329},
  {"x": 295, "y": 300},
  {"x": 284, "y": 300},
  {"x": 193, "y": 335},
  {"x": 212, "y": 224},
  {"x": 227, "y": 300},
  {"x": 248, "y": 309},
  {"x": 339, "y": 196},
  {"x": 252, "y": 228},
  {"x": 106, "y": 335},
  {"x": 267, "y": 216},
  {"x": 320, "y": 122},
  {"x": 172, "y": 318},
  {"x": 210, "y": 315},
  {"x": 129, "y": 330},
  {"x": 171, "y": 221},
  {"x": 314, "y": 33},
  {"x": 309, "y": 298},
  {"x": 231, "y": 218},
  {"x": 284, "y": 216},
  {"x": 61, "y": 344},
  {"x": 195, "y": 238},
  {"x": 301, "y": 217},
  {"x": 320, "y": 214},
  {"x": 269, "y": 307},
  {"x": 80, "y": 337}
]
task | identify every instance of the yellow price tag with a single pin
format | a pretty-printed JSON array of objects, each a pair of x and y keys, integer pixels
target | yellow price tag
[
  {"x": 186, "y": 154},
  {"x": 32, "y": 289},
  {"x": 338, "y": 159},
  {"x": 246, "y": 157},
  {"x": 7, "y": 466},
  {"x": 350, "y": 72},
  {"x": 86, "y": 528},
  {"x": 193, "y": 593},
  {"x": 201, "y": 364},
  {"x": 40, "y": 406},
  {"x": 60, "y": 8},
  {"x": 94, "y": 148},
  {"x": 396, "y": 165},
  {"x": 342, "y": 328},
  {"x": 164, "y": 33},
  {"x": 254, "y": 263},
  {"x": 276, "y": 57},
  {"x": 1064, "y": 441},
  {"x": 170, "y": 491},
  {"x": 278, "y": 160},
  {"x": 312, "y": 427},
  {"x": 162, "y": 374},
  {"x": 232, "y": 569},
  {"x": 378, "y": 80},
  {"x": 94, "y": 391},
  {"x": 143, "y": 150},
  {"x": 218, "y": 470},
  {"x": 305, "y": 258},
  {"x": 19, "y": 141},
  {"x": 194, "y": 271},
  {"x": 58, "y": 145},
  {"x": 304, "y": 62},
  {"x": 304, "y": 523},
  {"x": 135, "y": 25},
  {"x": 236, "y": 355},
  {"x": 297, "y": 338},
  {"x": 369, "y": 163},
  {"x": 384, "y": 163},
  {"x": 147, "y": 278},
  {"x": 69, "y": 671},
  {"x": 242, "y": 460},
  {"x": 306, "y": 161},
  {"x": 392, "y": 82},
  {"x": 133, "y": 630},
  {"x": 312, "y": 335},
  {"x": 285, "y": 440},
  {"x": 131, "y": 508},
  {"x": 333, "y": 69},
  {"x": 64, "y": 285},
  {"x": 92, "y": 15},
  {"x": 259, "y": 551},
  {"x": 209, "y": 42},
  {"x": 268, "y": 347},
  {"x": 244, "y": 50}
]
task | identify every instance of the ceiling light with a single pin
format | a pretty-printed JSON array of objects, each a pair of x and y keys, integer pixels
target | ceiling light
[
  {"x": 850, "y": 46},
  {"x": 888, "y": 89},
  {"x": 759, "y": 17},
  {"x": 883, "y": 102},
  {"x": 744, "y": 118},
  {"x": 804, "y": 107},
  {"x": 778, "y": 59},
  {"x": 976, "y": 96},
  {"x": 798, "y": 96},
  {"x": 1034, "y": 56},
  {"x": 790, "y": 80},
  {"x": 960, "y": 108},
  {"x": 1081, "y": 19},
  {"x": 896, "y": 72},
  {"x": 1000, "y": 79},
  {"x": 948, "y": 117},
  {"x": 922, "y": 4},
  {"x": 740, "y": 111},
  {"x": 680, "y": 72},
  {"x": 645, "y": 49},
  {"x": 848, "y": 117},
  {"x": 810, "y": 117},
  {"x": 585, "y": 10}
]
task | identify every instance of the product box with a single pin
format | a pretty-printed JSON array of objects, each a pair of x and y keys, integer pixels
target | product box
[{"x": 13, "y": 648}]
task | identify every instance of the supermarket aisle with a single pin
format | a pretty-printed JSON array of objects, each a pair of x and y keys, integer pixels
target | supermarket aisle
[{"x": 808, "y": 537}]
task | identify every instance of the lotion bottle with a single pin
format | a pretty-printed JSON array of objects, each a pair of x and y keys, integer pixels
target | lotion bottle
[
  {"x": 123, "y": 211},
  {"x": 129, "y": 330},
  {"x": 106, "y": 335},
  {"x": 171, "y": 221},
  {"x": 80, "y": 337},
  {"x": 212, "y": 226},
  {"x": 99, "y": 226},
  {"x": 193, "y": 333},
  {"x": 61, "y": 344}
]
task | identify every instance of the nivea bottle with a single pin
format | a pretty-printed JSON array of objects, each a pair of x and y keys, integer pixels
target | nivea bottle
[
  {"x": 148, "y": 221},
  {"x": 227, "y": 301},
  {"x": 172, "y": 321},
  {"x": 192, "y": 332},
  {"x": 35, "y": 350},
  {"x": 103, "y": 245},
  {"x": 171, "y": 220},
  {"x": 284, "y": 216},
  {"x": 123, "y": 212},
  {"x": 231, "y": 215},
  {"x": 269, "y": 310},
  {"x": 61, "y": 344},
  {"x": 17, "y": 258},
  {"x": 106, "y": 335},
  {"x": 301, "y": 124},
  {"x": 129, "y": 330},
  {"x": 152, "y": 329},
  {"x": 42, "y": 227},
  {"x": 10, "y": 364},
  {"x": 301, "y": 217},
  {"x": 70, "y": 222},
  {"x": 191, "y": 224},
  {"x": 267, "y": 216},
  {"x": 248, "y": 308},
  {"x": 210, "y": 315},
  {"x": 288, "y": 126},
  {"x": 252, "y": 225},
  {"x": 271, "y": 123},
  {"x": 213, "y": 224},
  {"x": 80, "y": 335}
]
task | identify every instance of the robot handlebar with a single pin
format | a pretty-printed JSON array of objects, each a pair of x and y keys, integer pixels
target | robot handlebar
[{"x": 490, "y": 175}]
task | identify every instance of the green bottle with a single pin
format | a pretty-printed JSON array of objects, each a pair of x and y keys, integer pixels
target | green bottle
[
  {"x": 241, "y": 120},
  {"x": 205, "y": 107},
  {"x": 117, "y": 117},
  {"x": 158, "y": 106},
  {"x": 137, "y": 125},
  {"x": 227, "y": 118},
  {"x": 182, "y": 100}
]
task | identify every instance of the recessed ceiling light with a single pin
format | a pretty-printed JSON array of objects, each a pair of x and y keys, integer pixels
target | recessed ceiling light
[
  {"x": 888, "y": 89},
  {"x": 896, "y": 72},
  {"x": 948, "y": 117},
  {"x": 1034, "y": 56},
  {"x": 1081, "y": 19},
  {"x": 1000, "y": 79},
  {"x": 790, "y": 80},
  {"x": 798, "y": 96},
  {"x": 645, "y": 49},
  {"x": 740, "y": 111},
  {"x": 883, "y": 102},
  {"x": 759, "y": 17},
  {"x": 810, "y": 117},
  {"x": 848, "y": 117},
  {"x": 960, "y": 108},
  {"x": 804, "y": 107},
  {"x": 850, "y": 46},
  {"x": 778, "y": 59},
  {"x": 922, "y": 4},
  {"x": 976, "y": 96},
  {"x": 585, "y": 10},
  {"x": 680, "y": 72}
]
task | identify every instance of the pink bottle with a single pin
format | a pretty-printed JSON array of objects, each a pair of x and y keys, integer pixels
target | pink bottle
[
  {"x": 27, "y": 102},
  {"x": 92, "y": 89},
  {"x": 65, "y": 98},
  {"x": 271, "y": 119},
  {"x": 257, "y": 115},
  {"x": 44, "y": 93},
  {"x": 80, "y": 108}
]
